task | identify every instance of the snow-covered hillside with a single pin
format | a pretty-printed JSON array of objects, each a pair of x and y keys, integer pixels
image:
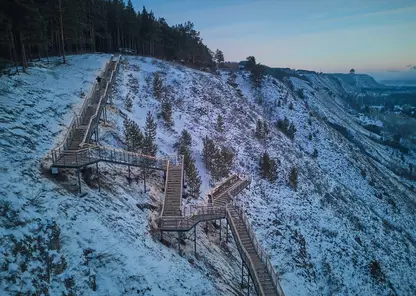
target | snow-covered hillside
[{"x": 348, "y": 229}]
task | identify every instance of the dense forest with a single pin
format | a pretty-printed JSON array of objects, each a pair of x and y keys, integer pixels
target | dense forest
[{"x": 31, "y": 29}]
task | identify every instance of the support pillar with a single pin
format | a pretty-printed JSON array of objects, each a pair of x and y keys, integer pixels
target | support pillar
[
  {"x": 98, "y": 177},
  {"x": 144, "y": 180},
  {"x": 248, "y": 284},
  {"x": 220, "y": 229},
  {"x": 195, "y": 240},
  {"x": 179, "y": 242},
  {"x": 129, "y": 174},
  {"x": 161, "y": 235},
  {"x": 79, "y": 179},
  {"x": 226, "y": 230},
  {"x": 242, "y": 273}
]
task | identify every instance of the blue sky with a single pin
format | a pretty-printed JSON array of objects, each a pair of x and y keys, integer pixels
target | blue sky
[{"x": 372, "y": 36}]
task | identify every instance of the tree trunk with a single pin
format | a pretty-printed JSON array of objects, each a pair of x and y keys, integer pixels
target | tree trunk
[
  {"x": 13, "y": 51},
  {"x": 38, "y": 47},
  {"x": 62, "y": 32},
  {"x": 22, "y": 48},
  {"x": 47, "y": 54}
]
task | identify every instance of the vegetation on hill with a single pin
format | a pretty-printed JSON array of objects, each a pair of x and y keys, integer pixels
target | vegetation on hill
[{"x": 32, "y": 29}]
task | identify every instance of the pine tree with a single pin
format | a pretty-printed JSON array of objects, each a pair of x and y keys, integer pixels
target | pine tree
[
  {"x": 133, "y": 136},
  {"x": 265, "y": 165},
  {"x": 128, "y": 103},
  {"x": 291, "y": 106},
  {"x": 315, "y": 153},
  {"x": 293, "y": 178},
  {"x": 157, "y": 86},
  {"x": 166, "y": 112},
  {"x": 219, "y": 56},
  {"x": 149, "y": 141},
  {"x": 208, "y": 152},
  {"x": 220, "y": 124},
  {"x": 265, "y": 129},
  {"x": 184, "y": 143},
  {"x": 192, "y": 175},
  {"x": 183, "y": 147},
  {"x": 272, "y": 170},
  {"x": 259, "y": 129},
  {"x": 268, "y": 167}
]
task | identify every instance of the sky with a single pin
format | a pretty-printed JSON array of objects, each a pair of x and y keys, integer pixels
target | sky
[{"x": 371, "y": 36}]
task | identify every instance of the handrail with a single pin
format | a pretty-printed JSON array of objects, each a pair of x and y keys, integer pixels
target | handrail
[
  {"x": 244, "y": 251},
  {"x": 166, "y": 184},
  {"x": 260, "y": 251},
  {"x": 182, "y": 173},
  {"x": 98, "y": 111},
  {"x": 77, "y": 120}
]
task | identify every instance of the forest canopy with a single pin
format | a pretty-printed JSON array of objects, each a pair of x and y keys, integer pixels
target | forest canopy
[{"x": 32, "y": 29}]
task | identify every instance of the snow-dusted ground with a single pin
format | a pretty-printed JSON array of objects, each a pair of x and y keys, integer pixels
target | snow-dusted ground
[
  {"x": 53, "y": 241},
  {"x": 322, "y": 238}
]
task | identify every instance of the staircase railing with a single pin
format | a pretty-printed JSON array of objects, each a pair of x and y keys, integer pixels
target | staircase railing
[
  {"x": 94, "y": 119},
  {"x": 77, "y": 120},
  {"x": 93, "y": 154},
  {"x": 245, "y": 256},
  {"x": 259, "y": 249}
]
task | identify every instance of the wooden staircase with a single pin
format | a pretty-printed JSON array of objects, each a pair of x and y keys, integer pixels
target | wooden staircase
[
  {"x": 258, "y": 269},
  {"x": 173, "y": 191}
]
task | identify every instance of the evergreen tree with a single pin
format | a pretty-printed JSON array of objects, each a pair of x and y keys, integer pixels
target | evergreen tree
[
  {"x": 220, "y": 124},
  {"x": 268, "y": 167},
  {"x": 265, "y": 165},
  {"x": 232, "y": 79},
  {"x": 183, "y": 147},
  {"x": 221, "y": 163},
  {"x": 315, "y": 153},
  {"x": 184, "y": 142},
  {"x": 256, "y": 75},
  {"x": 149, "y": 141},
  {"x": 128, "y": 103},
  {"x": 39, "y": 28},
  {"x": 132, "y": 135},
  {"x": 259, "y": 129},
  {"x": 265, "y": 129},
  {"x": 157, "y": 86},
  {"x": 166, "y": 112},
  {"x": 219, "y": 56},
  {"x": 291, "y": 106},
  {"x": 208, "y": 152},
  {"x": 192, "y": 175},
  {"x": 251, "y": 63},
  {"x": 293, "y": 178}
]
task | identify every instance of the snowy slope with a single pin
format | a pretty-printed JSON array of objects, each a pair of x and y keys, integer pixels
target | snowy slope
[
  {"x": 53, "y": 241},
  {"x": 325, "y": 237}
]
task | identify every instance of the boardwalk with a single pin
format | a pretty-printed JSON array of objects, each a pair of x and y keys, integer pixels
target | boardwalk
[
  {"x": 76, "y": 151},
  {"x": 223, "y": 207}
]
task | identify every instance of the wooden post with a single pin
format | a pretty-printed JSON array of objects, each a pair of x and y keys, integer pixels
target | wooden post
[
  {"x": 220, "y": 230},
  {"x": 98, "y": 177},
  {"x": 144, "y": 180},
  {"x": 195, "y": 240},
  {"x": 161, "y": 236},
  {"x": 179, "y": 242},
  {"x": 248, "y": 284},
  {"x": 79, "y": 180},
  {"x": 242, "y": 273},
  {"x": 226, "y": 231},
  {"x": 129, "y": 173}
]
